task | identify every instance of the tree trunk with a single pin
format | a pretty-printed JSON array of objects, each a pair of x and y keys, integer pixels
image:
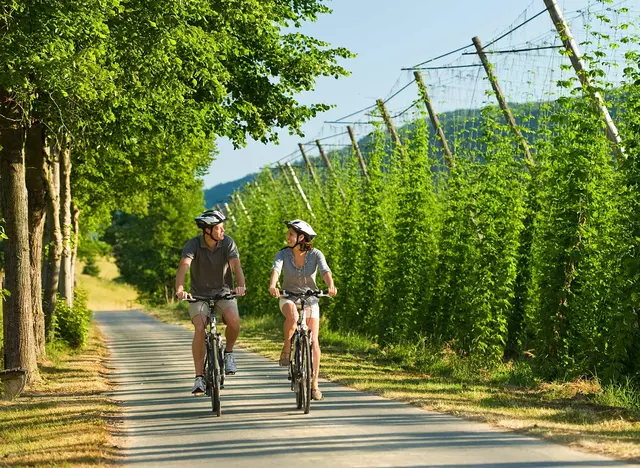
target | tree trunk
[
  {"x": 55, "y": 248},
  {"x": 3, "y": 307},
  {"x": 65, "y": 288},
  {"x": 19, "y": 346},
  {"x": 47, "y": 236},
  {"x": 76, "y": 236},
  {"x": 35, "y": 161}
]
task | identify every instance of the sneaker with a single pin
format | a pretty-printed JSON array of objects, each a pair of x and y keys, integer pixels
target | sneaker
[
  {"x": 230, "y": 364},
  {"x": 198, "y": 386}
]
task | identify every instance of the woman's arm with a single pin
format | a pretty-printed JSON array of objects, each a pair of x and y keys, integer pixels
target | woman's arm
[
  {"x": 273, "y": 290},
  {"x": 328, "y": 279}
]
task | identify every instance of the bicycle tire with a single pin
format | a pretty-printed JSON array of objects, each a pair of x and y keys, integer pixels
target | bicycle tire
[
  {"x": 297, "y": 373},
  {"x": 215, "y": 390},
  {"x": 221, "y": 360},
  {"x": 206, "y": 371},
  {"x": 305, "y": 378}
]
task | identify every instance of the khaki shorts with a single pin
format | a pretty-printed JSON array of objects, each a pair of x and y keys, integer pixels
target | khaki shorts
[
  {"x": 202, "y": 307},
  {"x": 312, "y": 311}
]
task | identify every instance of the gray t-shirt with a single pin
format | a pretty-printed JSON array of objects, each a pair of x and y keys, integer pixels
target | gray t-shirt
[
  {"x": 210, "y": 270},
  {"x": 299, "y": 280}
]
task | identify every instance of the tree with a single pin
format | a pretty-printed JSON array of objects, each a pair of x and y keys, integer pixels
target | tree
[
  {"x": 137, "y": 93},
  {"x": 147, "y": 247}
]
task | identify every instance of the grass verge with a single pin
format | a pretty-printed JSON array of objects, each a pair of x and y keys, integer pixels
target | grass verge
[
  {"x": 582, "y": 414},
  {"x": 106, "y": 291},
  {"x": 65, "y": 419}
]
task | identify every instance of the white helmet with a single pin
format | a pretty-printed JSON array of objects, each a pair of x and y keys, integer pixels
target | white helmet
[
  {"x": 210, "y": 218},
  {"x": 302, "y": 227}
]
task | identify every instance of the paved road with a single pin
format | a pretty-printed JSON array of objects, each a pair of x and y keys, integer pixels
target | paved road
[{"x": 165, "y": 426}]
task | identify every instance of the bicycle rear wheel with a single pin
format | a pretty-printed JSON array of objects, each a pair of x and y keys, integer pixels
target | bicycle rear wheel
[
  {"x": 215, "y": 377},
  {"x": 305, "y": 378}
]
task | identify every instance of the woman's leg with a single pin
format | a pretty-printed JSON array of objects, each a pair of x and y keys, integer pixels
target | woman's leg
[
  {"x": 290, "y": 318},
  {"x": 314, "y": 326}
]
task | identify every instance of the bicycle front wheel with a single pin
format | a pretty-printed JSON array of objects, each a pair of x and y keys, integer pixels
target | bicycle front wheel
[
  {"x": 214, "y": 365},
  {"x": 305, "y": 380}
]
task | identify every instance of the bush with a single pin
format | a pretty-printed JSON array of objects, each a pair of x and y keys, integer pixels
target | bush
[
  {"x": 72, "y": 324},
  {"x": 91, "y": 268}
]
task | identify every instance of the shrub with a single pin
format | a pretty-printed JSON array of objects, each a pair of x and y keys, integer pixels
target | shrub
[
  {"x": 72, "y": 323},
  {"x": 91, "y": 268}
]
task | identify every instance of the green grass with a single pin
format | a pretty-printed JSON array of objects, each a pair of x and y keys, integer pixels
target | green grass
[{"x": 63, "y": 419}]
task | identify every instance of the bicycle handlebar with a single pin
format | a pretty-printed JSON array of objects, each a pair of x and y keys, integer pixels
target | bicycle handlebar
[
  {"x": 308, "y": 293},
  {"x": 217, "y": 297}
]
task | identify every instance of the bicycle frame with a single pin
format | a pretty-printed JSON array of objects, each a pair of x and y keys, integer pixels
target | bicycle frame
[
  {"x": 214, "y": 356},
  {"x": 301, "y": 368}
]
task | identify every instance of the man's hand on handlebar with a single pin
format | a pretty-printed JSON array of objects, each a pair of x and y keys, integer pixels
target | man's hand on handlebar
[
  {"x": 332, "y": 291},
  {"x": 240, "y": 290},
  {"x": 183, "y": 295}
]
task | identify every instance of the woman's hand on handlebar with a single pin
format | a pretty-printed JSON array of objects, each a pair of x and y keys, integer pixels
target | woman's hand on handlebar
[{"x": 275, "y": 292}]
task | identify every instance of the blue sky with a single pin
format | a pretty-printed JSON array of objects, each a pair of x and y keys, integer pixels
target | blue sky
[{"x": 386, "y": 36}]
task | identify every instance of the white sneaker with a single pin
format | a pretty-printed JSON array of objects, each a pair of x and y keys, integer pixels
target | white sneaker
[
  {"x": 230, "y": 364},
  {"x": 198, "y": 386}
]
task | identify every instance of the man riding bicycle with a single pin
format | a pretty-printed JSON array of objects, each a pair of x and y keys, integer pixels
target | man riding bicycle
[{"x": 210, "y": 257}]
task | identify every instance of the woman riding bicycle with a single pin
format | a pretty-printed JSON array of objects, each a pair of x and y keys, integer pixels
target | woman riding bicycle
[{"x": 299, "y": 262}]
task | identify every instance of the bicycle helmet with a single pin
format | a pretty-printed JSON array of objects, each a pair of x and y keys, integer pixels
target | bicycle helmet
[
  {"x": 210, "y": 218},
  {"x": 302, "y": 227}
]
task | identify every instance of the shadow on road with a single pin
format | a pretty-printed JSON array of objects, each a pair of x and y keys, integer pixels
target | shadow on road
[{"x": 260, "y": 426}]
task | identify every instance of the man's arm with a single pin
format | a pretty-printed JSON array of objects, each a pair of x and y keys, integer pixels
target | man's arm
[
  {"x": 181, "y": 274},
  {"x": 237, "y": 270}
]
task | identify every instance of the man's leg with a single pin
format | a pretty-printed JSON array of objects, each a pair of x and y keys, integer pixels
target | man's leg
[
  {"x": 197, "y": 346},
  {"x": 199, "y": 312},
  {"x": 231, "y": 319}
]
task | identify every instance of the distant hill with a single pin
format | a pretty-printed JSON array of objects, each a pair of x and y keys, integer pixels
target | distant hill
[{"x": 220, "y": 193}]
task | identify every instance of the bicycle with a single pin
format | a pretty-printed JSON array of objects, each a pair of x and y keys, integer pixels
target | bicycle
[
  {"x": 214, "y": 358},
  {"x": 301, "y": 351}
]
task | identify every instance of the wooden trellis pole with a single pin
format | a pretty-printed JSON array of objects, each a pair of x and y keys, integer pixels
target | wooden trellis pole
[
  {"x": 302, "y": 195},
  {"x": 356, "y": 147},
  {"x": 583, "y": 75},
  {"x": 262, "y": 197},
  {"x": 327, "y": 163},
  {"x": 286, "y": 177},
  {"x": 390, "y": 126},
  {"x": 229, "y": 213},
  {"x": 244, "y": 209},
  {"x": 508, "y": 115},
  {"x": 448, "y": 156},
  {"x": 313, "y": 175}
]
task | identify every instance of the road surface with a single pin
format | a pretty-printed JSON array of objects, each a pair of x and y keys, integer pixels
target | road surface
[{"x": 164, "y": 425}]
